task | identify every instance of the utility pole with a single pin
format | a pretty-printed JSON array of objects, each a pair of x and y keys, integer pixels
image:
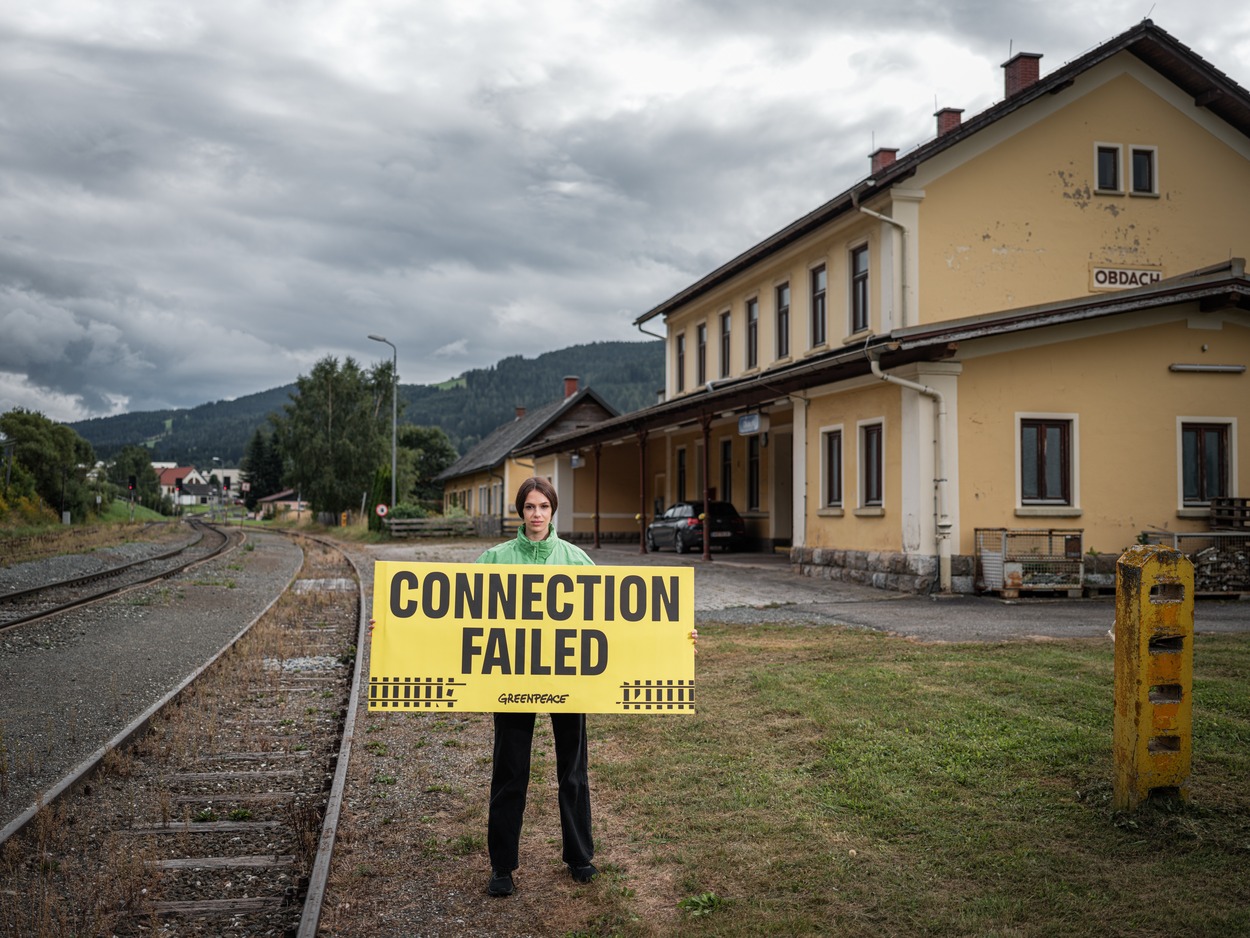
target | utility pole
[{"x": 394, "y": 408}]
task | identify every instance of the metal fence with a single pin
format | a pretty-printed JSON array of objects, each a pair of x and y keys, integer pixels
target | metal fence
[
  {"x": 1221, "y": 559},
  {"x": 1010, "y": 560}
]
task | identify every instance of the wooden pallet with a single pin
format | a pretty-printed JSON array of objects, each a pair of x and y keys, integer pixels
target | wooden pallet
[{"x": 1230, "y": 514}]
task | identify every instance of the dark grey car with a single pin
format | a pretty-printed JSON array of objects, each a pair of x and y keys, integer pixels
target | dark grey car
[{"x": 681, "y": 527}]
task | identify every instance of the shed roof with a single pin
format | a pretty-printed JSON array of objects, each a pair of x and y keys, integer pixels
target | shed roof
[{"x": 505, "y": 440}]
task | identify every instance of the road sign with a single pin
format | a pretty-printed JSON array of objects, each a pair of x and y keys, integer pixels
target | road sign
[{"x": 381, "y": 510}]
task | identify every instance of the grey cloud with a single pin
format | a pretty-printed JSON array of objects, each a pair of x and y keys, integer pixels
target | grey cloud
[{"x": 197, "y": 204}]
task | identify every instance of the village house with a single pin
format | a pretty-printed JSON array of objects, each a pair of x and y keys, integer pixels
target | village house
[
  {"x": 1036, "y": 320},
  {"x": 280, "y": 504},
  {"x": 483, "y": 481},
  {"x": 174, "y": 481}
]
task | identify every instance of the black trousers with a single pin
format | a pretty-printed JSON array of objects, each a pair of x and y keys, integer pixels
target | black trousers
[{"x": 514, "y": 735}]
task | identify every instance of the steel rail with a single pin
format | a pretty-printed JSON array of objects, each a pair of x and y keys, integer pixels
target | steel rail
[
  {"x": 319, "y": 875},
  {"x": 114, "y": 590},
  {"x": 128, "y": 734},
  {"x": 70, "y": 582},
  {"x": 318, "y": 879}
]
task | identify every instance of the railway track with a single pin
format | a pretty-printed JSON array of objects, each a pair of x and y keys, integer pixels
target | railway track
[
  {"x": 19, "y": 607},
  {"x": 214, "y": 813}
]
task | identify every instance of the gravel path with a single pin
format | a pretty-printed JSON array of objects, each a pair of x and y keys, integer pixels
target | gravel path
[
  {"x": 70, "y": 683},
  {"x": 744, "y": 589}
]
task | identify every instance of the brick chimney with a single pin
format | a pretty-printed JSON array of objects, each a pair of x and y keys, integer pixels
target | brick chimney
[
  {"x": 570, "y": 385},
  {"x": 948, "y": 119},
  {"x": 520, "y": 412},
  {"x": 1022, "y": 71},
  {"x": 881, "y": 158}
]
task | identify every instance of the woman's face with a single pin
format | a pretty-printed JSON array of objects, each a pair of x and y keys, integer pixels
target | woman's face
[{"x": 536, "y": 513}]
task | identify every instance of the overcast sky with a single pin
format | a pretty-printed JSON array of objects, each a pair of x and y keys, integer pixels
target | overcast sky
[{"x": 199, "y": 199}]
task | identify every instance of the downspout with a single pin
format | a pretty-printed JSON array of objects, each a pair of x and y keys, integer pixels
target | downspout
[
  {"x": 901, "y": 275},
  {"x": 939, "y": 468},
  {"x": 645, "y": 332}
]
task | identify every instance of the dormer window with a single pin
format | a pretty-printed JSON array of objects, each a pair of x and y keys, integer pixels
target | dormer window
[
  {"x": 1108, "y": 168},
  {"x": 1145, "y": 178}
]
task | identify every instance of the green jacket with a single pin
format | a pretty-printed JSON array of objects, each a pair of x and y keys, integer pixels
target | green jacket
[{"x": 549, "y": 550}]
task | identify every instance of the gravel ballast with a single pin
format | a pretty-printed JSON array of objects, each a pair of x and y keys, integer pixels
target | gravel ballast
[{"x": 72, "y": 682}]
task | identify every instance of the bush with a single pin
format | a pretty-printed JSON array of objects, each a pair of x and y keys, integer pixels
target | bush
[{"x": 409, "y": 510}]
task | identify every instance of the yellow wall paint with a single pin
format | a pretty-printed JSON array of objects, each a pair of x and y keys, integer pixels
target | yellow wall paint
[
  {"x": 851, "y": 531},
  {"x": 1126, "y": 403},
  {"x": 1020, "y": 223}
]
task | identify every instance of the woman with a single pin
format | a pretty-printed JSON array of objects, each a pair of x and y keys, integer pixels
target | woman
[{"x": 537, "y": 542}]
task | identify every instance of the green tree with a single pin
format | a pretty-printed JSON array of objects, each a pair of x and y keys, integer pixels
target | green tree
[
  {"x": 335, "y": 432},
  {"x": 55, "y": 457},
  {"x": 262, "y": 468},
  {"x": 136, "y": 461},
  {"x": 429, "y": 451}
]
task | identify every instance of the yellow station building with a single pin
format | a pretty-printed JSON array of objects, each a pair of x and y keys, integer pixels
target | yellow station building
[{"x": 1038, "y": 319}]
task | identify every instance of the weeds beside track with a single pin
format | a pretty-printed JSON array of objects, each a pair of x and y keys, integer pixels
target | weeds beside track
[
  {"x": 209, "y": 820},
  {"x": 28, "y": 605}
]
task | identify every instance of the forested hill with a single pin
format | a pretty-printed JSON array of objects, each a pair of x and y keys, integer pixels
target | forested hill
[{"x": 625, "y": 374}]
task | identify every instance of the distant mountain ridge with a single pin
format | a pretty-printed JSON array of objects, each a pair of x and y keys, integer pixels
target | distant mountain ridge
[{"x": 625, "y": 374}]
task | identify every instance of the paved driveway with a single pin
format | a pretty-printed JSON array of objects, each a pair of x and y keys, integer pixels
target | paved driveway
[{"x": 758, "y": 587}]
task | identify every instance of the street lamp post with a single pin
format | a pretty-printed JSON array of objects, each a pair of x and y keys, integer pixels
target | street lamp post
[{"x": 394, "y": 407}]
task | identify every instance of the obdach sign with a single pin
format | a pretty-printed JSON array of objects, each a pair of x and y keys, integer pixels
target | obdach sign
[{"x": 523, "y": 637}]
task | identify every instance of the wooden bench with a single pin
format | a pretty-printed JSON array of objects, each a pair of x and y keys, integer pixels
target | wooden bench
[{"x": 431, "y": 527}]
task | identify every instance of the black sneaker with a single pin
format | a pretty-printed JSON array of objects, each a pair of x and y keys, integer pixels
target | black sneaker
[
  {"x": 583, "y": 874},
  {"x": 500, "y": 884}
]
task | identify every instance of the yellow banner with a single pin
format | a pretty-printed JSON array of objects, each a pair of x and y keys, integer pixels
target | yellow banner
[{"x": 532, "y": 638}]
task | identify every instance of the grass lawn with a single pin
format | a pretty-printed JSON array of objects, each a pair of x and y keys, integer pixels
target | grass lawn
[
  {"x": 843, "y": 782},
  {"x": 119, "y": 509}
]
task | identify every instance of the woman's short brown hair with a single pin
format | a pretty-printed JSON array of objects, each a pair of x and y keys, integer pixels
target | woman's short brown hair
[{"x": 529, "y": 485}]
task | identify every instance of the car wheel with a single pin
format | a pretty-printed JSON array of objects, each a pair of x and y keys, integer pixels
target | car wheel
[
  {"x": 651, "y": 543},
  {"x": 678, "y": 544}
]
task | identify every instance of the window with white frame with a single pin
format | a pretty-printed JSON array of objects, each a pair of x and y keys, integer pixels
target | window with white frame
[
  {"x": 1143, "y": 171},
  {"x": 1047, "y": 459},
  {"x": 819, "y": 283},
  {"x": 753, "y": 332},
  {"x": 1107, "y": 158},
  {"x": 783, "y": 320},
  {"x": 701, "y": 354},
  {"x": 859, "y": 288},
  {"x": 831, "y": 467},
  {"x": 1205, "y": 459},
  {"x": 872, "y": 464},
  {"x": 725, "y": 322}
]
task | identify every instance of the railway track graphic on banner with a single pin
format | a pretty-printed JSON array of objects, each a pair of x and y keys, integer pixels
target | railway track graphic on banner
[{"x": 504, "y": 637}]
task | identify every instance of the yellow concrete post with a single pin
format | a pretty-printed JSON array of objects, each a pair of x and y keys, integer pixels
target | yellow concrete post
[{"x": 1154, "y": 674}]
